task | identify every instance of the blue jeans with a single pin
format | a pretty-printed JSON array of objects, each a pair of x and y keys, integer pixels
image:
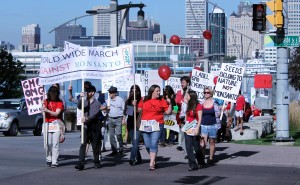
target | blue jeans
[
  {"x": 151, "y": 139},
  {"x": 135, "y": 150}
]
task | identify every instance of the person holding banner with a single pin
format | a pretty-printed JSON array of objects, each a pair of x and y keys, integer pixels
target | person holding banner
[
  {"x": 87, "y": 84},
  {"x": 92, "y": 128},
  {"x": 209, "y": 123},
  {"x": 153, "y": 108},
  {"x": 135, "y": 155},
  {"x": 53, "y": 127},
  {"x": 191, "y": 129},
  {"x": 185, "y": 83}
]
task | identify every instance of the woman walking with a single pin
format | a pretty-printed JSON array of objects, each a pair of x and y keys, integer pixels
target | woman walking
[
  {"x": 53, "y": 127},
  {"x": 209, "y": 123},
  {"x": 192, "y": 142},
  {"x": 135, "y": 155},
  {"x": 153, "y": 108}
]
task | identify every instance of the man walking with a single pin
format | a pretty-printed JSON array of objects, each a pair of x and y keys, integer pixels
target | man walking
[
  {"x": 115, "y": 106},
  {"x": 92, "y": 128}
]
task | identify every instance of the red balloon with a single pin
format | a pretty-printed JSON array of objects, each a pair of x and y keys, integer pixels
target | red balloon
[
  {"x": 207, "y": 35},
  {"x": 164, "y": 72},
  {"x": 175, "y": 39},
  {"x": 215, "y": 80}
]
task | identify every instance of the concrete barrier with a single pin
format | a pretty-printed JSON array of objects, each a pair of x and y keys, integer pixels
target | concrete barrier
[{"x": 249, "y": 134}]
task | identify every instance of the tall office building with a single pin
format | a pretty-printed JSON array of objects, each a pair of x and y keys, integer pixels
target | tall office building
[
  {"x": 159, "y": 38},
  {"x": 101, "y": 22},
  {"x": 294, "y": 14},
  {"x": 237, "y": 44},
  {"x": 195, "y": 43},
  {"x": 142, "y": 34},
  {"x": 200, "y": 9},
  {"x": 31, "y": 36},
  {"x": 66, "y": 32},
  {"x": 218, "y": 42}
]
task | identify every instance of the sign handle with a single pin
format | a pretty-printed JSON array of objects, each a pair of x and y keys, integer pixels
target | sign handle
[
  {"x": 134, "y": 110},
  {"x": 44, "y": 120},
  {"x": 82, "y": 112},
  {"x": 223, "y": 106}
]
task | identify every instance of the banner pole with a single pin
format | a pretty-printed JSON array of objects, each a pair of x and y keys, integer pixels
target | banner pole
[
  {"x": 134, "y": 108},
  {"x": 82, "y": 112},
  {"x": 223, "y": 106},
  {"x": 44, "y": 121}
]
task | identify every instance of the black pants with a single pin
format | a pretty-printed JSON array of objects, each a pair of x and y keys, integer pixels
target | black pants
[
  {"x": 92, "y": 134},
  {"x": 193, "y": 143}
]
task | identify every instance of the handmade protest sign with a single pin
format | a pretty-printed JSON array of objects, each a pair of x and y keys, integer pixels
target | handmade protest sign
[
  {"x": 87, "y": 63},
  {"x": 175, "y": 83},
  {"x": 229, "y": 82},
  {"x": 171, "y": 123},
  {"x": 189, "y": 128},
  {"x": 200, "y": 80},
  {"x": 33, "y": 93},
  {"x": 151, "y": 77}
]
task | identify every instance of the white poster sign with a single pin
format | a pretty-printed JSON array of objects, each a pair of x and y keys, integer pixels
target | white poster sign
[
  {"x": 174, "y": 82},
  {"x": 200, "y": 80},
  {"x": 33, "y": 94},
  {"x": 151, "y": 78},
  {"x": 171, "y": 122},
  {"x": 229, "y": 82},
  {"x": 87, "y": 63}
]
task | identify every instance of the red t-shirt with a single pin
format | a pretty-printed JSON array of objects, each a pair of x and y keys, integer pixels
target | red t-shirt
[
  {"x": 240, "y": 103},
  {"x": 190, "y": 116},
  {"x": 52, "y": 106},
  {"x": 154, "y": 109},
  {"x": 228, "y": 106}
]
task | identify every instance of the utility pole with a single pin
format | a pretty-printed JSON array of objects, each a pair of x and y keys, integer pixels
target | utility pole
[
  {"x": 114, "y": 24},
  {"x": 282, "y": 87}
]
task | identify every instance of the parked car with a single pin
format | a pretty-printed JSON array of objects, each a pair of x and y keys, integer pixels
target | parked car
[{"x": 14, "y": 117}]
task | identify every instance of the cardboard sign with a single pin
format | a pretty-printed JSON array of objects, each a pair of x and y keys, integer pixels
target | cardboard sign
[
  {"x": 263, "y": 81},
  {"x": 33, "y": 93},
  {"x": 151, "y": 78},
  {"x": 87, "y": 63},
  {"x": 171, "y": 122},
  {"x": 201, "y": 80},
  {"x": 53, "y": 127},
  {"x": 229, "y": 82},
  {"x": 175, "y": 83},
  {"x": 189, "y": 128},
  {"x": 149, "y": 126}
]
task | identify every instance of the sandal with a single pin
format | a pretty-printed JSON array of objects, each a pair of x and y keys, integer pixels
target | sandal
[
  {"x": 241, "y": 132},
  {"x": 151, "y": 168}
]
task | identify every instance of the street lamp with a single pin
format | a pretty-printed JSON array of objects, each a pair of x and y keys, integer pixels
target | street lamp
[{"x": 113, "y": 10}]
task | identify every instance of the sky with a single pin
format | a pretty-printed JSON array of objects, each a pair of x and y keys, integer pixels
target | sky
[{"x": 50, "y": 14}]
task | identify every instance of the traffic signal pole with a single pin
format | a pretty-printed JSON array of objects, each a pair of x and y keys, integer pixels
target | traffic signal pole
[{"x": 282, "y": 88}]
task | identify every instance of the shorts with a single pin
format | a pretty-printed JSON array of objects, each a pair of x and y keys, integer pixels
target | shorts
[
  {"x": 239, "y": 113},
  {"x": 209, "y": 130}
]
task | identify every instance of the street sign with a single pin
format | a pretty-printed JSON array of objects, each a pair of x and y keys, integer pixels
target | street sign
[{"x": 277, "y": 41}]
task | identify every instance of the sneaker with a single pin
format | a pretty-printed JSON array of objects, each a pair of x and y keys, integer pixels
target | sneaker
[
  {"x": 162, "y": 144},
  {"x": 132, "y": 162},
  {"x": 210, "y": 161},
  {"x": 113, "y": 153},
  {"x": 54, "y": 165},
  {"x": 97, "y": 165},
  {"x": 179, "y": 148},
  {"x": 48, "y": 164},
  {"x": 195, "y": 168},
  {"x": 79, "y": 166}
]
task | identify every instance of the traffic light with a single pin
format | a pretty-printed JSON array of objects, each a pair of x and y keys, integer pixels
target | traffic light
[
  {"x": 259, "y": 17},
  {"x": 277, "y": 18}
]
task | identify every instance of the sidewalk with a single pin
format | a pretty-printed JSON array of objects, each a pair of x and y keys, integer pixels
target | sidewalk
[{"x": 239, "y": 154}]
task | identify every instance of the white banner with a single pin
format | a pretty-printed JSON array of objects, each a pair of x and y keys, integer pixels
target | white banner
[
  {"x": 122, "y": 83},
  {"x": 229, "y": 82},
  {"x": 171, "y": 122},
  {"x": 87, "y": 63},
  {"x": 151, "y": 78},
  {"x": 175, "y": 83},
  {"x": 33, "y": 94},
  {"x": 70, "y": 46},
  {"x": 200, "y": 80}
]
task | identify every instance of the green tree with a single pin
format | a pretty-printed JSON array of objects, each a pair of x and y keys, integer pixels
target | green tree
[
  {"x": 294, "y": 69},
  {"x": 10, "y": 76}
]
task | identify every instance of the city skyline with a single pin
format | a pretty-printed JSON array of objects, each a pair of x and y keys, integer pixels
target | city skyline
[{"x": 58, "y": 12}]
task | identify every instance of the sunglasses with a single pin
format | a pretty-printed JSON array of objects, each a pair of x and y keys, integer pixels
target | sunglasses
[{"x": 206, "y": 92}]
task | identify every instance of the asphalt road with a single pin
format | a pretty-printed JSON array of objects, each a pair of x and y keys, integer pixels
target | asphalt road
[{"x": 22, "y": 162}]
